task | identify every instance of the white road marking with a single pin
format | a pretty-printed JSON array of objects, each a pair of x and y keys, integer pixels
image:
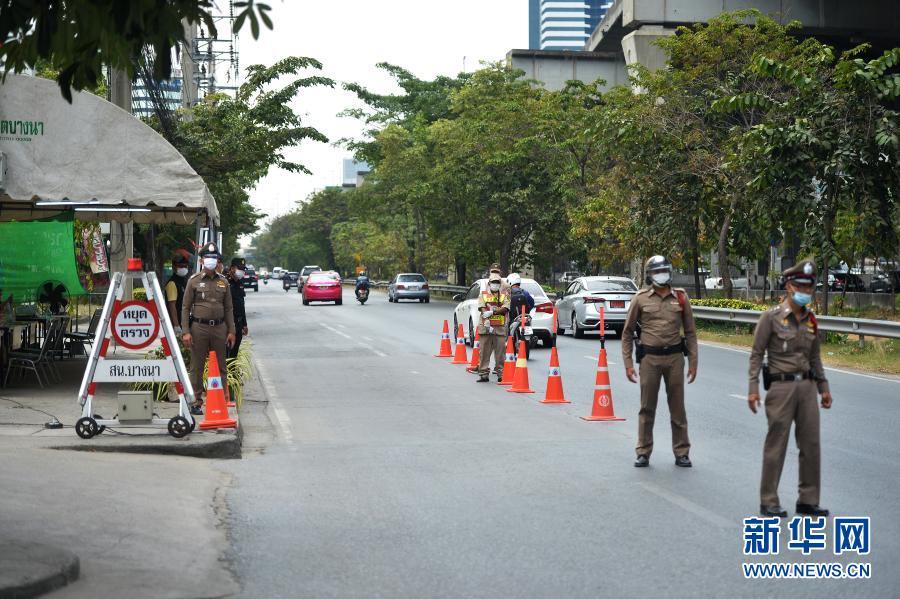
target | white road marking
[
  {"x": 284, "y": 421},
  {"x": 594, "y": 359},
  {"x": 342, "y": 325},
  {"x": 368, "y": 339},
  {"x": 736, "y": 396},
  {"x": 689, "y": 506},
  {"x": 747, "y": 351},
  {"x": 414, "y": 372},
  {"x": 378, "y": 353}
]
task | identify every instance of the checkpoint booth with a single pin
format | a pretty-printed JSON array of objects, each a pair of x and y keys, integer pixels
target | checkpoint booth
[{"x": 103, "y": 164}]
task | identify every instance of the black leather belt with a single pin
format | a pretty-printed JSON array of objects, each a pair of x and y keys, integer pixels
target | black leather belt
[
  {"x": 790, "y": 376},
  {"x": 211, "y": 323},
  {"x": 664, "y": 351}
]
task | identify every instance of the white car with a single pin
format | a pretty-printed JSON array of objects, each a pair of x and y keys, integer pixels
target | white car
[
  {"x": 716, "y": 283},
  {"x": 579, "y": 307},
  {"x": 466, "y": 312}
]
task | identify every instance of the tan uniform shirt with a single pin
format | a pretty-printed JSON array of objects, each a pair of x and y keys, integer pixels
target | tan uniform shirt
[
  {"x": 792, "y": 346},
  {"x": 207, "y": 296},
  {"x": 662, "y": 319}
]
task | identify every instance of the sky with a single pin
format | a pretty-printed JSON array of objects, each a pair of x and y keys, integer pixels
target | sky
[{"x": 349, "y": 37}]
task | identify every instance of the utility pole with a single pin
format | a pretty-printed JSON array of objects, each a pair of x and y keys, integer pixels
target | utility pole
[{"x": 121, "y": 234}]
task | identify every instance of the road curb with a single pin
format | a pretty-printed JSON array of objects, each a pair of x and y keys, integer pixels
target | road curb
[
  {"x": 220, "y": 444},
  {"x": 32, "y": 569}
]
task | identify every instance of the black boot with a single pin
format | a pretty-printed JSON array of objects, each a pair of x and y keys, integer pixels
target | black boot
[
  {"x": 683, "y": 461},
  {"x": 807, "y": 509},
  {"x": 642, "y": 461},
  {"x": 482, "y": 378},
  {"x": 767, "y": 511}
]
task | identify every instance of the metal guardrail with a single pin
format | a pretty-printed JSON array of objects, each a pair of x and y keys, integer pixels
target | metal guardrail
[{"x": 835, "y": 324}]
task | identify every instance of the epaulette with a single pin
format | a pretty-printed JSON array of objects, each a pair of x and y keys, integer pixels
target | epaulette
[
  {"x": 195, "y": 275},
  {"x": 645, "y": 290}
]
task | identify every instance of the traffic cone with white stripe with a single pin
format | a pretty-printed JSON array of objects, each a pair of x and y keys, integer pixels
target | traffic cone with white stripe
[
  {"x": 554, "y": 393},
  {"x": 509, "y": 366},
  {"x": 603, "y": 403},
  {"x": 520, "y": 378},
  {"x": 444, "y": 351},
  {"x": 460, "y": 357},
  {"x": 476, "y": 353},
  {"x": 216, "y": 412}
]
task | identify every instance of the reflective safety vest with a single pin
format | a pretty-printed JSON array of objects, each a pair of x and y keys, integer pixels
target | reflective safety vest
[{"x": 495, "y": 301}]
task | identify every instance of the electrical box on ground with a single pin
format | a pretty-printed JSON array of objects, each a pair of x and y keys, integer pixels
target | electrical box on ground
[{"x": 135, "y": 406}]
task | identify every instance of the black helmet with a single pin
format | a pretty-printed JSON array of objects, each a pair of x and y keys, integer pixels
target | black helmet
[{"x": 656, "y": 264}]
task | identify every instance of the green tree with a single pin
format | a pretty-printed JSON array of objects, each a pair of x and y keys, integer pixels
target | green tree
[{"x": 80, "y": 37}]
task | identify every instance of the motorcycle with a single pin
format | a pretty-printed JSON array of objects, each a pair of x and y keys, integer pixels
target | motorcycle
[
  {"x": 522, "y": 333},
  {"x": 362, "y": 295}
]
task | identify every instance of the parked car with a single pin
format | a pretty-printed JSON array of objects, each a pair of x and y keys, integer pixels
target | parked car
[
  {"x": 289, "y": 279},
  {"x": 278, "y": 272},
  {"x": 321, "y": 287},
  {"x": 250, "y": 279},
  {"x": 717, "y": 283},
  {"x": 881, "y": 283},
  {"x": 578, "y": 309},
  {"x": 409, "y": 285},
  {"x": 466, "y": 312},
  {"x": 845, "y": 281},
  {"x": 305, "y": 272}
]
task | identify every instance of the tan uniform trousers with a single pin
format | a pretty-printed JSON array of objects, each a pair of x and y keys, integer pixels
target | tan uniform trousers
[
  {"x": 491, "y": 345},
  {"x": 791, "y": 402},
  {"x": 206, "y": 338},
  {"x": 671, "y": 369}
]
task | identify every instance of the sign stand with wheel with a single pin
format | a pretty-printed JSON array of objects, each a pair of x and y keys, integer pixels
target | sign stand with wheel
[{"x": 135, "y": 325}]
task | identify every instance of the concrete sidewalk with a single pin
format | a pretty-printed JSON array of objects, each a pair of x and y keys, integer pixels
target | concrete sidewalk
[{"x": 25, "y": 409}]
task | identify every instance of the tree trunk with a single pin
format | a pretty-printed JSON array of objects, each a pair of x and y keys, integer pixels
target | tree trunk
[
  {"x": 695, "y": 249},
  {"x": 723, "y": 253},
  {"x": 461, "y": 279}
]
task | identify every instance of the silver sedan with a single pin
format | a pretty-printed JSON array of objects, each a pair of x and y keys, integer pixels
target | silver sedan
[{"x": 579, "y": 306}]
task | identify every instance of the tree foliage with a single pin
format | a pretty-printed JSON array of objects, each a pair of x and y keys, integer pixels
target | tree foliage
[{"x": 80, "y": 37}]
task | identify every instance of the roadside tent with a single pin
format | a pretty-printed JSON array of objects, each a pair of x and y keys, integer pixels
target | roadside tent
[{"x": 92, "y": 157}]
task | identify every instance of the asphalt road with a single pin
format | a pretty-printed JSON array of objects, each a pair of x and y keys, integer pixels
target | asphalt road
[{"x": 393, "y": 474}]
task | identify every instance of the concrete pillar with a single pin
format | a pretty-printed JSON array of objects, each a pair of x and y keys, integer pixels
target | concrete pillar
[{"x": 639, "y": 48}]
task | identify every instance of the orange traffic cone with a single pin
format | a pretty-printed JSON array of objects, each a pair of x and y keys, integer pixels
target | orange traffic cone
[
  {"x": 216, "y": 412},
  {"x": 476, "y": 353},
  {"x": 554, "y": 392},
  {"x": 509, "y": 366},
  {"x": 520, "y": 378},
  {"x": 603, "y": 404},
  {"x": 460, "y": 357},
  {"x": 444, "y": 351}
]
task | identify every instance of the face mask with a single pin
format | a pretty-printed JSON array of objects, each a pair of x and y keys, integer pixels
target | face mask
[
  {"x": 239, "y": 274},
  {"x": 661, "y": 279},
  {"x": 181, "y": 272},
  {"x": 801, "y": 299},
  {"x": 210, "y": 263},
  {"x": 495, "y": 287}
]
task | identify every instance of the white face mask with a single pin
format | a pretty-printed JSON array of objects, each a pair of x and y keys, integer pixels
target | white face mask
[
  {"x": 181, "y": 272},
  {"x": 495, "y": 287},
  {"x": 661, "y": 279},
  {"x": 239, "y": 274},
  {"x": 210, "y": 263}
]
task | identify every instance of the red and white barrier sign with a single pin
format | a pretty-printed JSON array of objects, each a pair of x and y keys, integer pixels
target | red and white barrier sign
[{"x": 135, "y": 324}]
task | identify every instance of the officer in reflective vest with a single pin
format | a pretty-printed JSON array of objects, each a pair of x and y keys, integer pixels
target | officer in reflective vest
[
  {"x": 788, "y": 335},
  {"x": 493, "y": 304}
]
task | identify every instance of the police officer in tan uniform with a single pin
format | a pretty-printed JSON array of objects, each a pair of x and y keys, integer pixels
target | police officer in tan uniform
[
  {"x": 493, "y": 304},
  {"x": 661, "y": 312},
  {"x": 788, "y": 334},
  {"x": 208, "y": 315}
]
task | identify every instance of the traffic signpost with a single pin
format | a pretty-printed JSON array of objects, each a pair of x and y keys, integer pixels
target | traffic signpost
[{"x": 135, "y": 325}]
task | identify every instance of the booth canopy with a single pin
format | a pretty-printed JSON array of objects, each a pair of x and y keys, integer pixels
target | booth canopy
[{"x": 93, "y": 154}]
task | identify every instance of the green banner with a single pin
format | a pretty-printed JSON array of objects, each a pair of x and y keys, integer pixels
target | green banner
[{"x": 33, "y": 253}]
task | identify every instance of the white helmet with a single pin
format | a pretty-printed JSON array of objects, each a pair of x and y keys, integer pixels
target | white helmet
[{"x": 514, "y": 279}]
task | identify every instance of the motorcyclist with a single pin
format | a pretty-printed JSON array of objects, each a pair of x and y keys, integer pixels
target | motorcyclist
[
  {"x": 518, "y": 296},
  {"x": 362, "y": 282}
]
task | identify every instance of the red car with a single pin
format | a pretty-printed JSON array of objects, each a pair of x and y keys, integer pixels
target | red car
[{"x": 322, "y": 287}]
